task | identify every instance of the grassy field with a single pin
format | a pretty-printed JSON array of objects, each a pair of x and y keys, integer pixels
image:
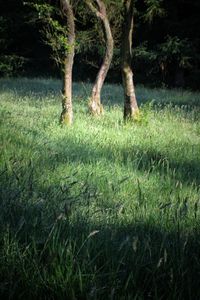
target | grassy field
[{"x": 101, "y": 210}]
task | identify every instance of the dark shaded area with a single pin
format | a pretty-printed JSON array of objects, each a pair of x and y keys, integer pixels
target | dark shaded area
[
  {"x": 156, "y": 63},
  {"x": 51, "y": 245}
]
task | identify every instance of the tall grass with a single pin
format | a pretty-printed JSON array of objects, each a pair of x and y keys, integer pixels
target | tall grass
[{"x": 101, "y": 210}]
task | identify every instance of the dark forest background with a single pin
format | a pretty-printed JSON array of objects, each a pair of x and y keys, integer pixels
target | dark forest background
[{"x": 166, "y": 51}]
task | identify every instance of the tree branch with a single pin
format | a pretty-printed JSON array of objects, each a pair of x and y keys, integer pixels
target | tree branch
[{"x": 99, "y": 13}]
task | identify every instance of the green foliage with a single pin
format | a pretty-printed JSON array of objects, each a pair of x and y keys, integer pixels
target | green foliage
[
  {"x": 176, "y": 49},
  {"x": 11, "y": 64},
  {"x": 86, "y": 41},
  {"x": 144, "y": 115},
  {"x": 173, "y": 54},
  {"x": 103, "y": 210},
  {"x": 54, "y": 30},
  {"x": 154, "y": 9},
  {"x": 144, "y": 53}
]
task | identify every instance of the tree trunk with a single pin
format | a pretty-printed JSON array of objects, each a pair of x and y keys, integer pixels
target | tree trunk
[
  {"x": 95, "y": 105},
  {"x": 67, "y": 110},
  {"x": 130, "y": 103}
]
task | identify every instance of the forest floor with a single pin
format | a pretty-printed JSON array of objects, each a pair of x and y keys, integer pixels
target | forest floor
[{"x": 101, "y": 210}]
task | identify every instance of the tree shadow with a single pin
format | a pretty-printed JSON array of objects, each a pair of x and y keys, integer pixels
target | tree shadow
[
  {"x": 36, "y": 87},
  {"x": 187, "y": 171},
  {"x": 160, "y": 98},
  {"x": 136, "y": 158},
  {"x": 147, "y": 258}
]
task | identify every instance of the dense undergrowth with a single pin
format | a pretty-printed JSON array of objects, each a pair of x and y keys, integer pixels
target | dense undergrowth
[{"x": 101, "y": 210}]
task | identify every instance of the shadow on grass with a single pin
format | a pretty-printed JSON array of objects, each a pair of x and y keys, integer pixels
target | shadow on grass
[
  {"x": 111, "y": 95},
  {"x": 149, "y": 160},
  {"x": 187, "y": 100},
  {"x": 187, "y": 171},
  {"x": 136, "y": 158},
  {"x": 66, "y": 253},
  {"x": 23, "y": 87},
  {"x": 38, "y": 88}
]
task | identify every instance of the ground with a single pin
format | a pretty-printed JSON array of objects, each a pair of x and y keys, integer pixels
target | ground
[{"x": 103, "y": 209}]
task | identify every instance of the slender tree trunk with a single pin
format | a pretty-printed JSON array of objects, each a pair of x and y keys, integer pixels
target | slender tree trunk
[
  {"x": 95, "y": 105},
  {"x": 130, "y": 102},
  {"x": 67, "y": 110}
]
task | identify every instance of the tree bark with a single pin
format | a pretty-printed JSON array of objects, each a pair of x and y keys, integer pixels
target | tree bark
[
  {"x": 67, "y": 109},
  {"x": 130, "y": 102},
  {"x": 95, "y": 106}
]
